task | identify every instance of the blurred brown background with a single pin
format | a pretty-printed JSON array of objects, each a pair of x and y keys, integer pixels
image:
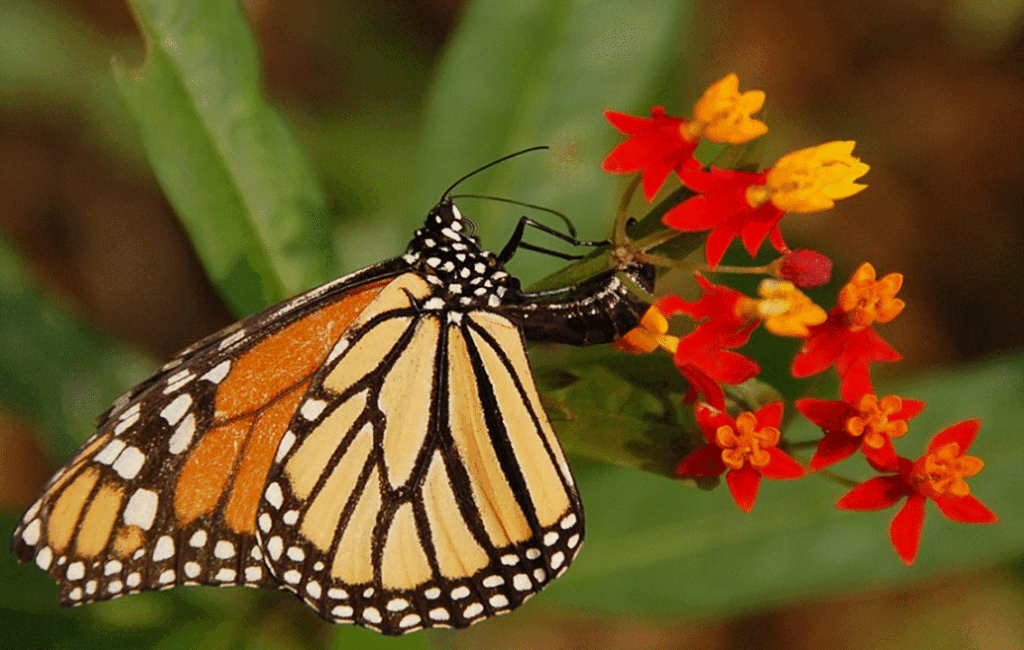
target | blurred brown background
[{"x": 931, "y": 91}]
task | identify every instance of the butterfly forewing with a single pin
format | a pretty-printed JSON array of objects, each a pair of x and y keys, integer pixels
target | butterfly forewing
[
  {"x": 165, "y": 492},
  {"x": 423, "y": 486}
]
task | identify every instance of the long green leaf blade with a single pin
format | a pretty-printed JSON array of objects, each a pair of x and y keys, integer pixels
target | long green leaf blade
[{"x": 226, "y": 159}]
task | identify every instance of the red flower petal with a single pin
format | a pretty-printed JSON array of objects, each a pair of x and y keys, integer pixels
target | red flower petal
[
  {"x": 883, "y": 459},
  {"x": 710, "y": 418},
  {"x": 877, "y": 493},
  {"x": 905, "y": 531},
  {"x": 631, "y": 124},
  {"x": 757, "y": 225},
  {"x": 743, "y": 484},
  {"x": 769, "y": 415},
  {"x": 782, "y": 466},
  {"x": 961, "y": 433},
  {"x": 827, "y": 414},
  {"x": 833, "y": 448},
  {"x": 701, "y": 384},
  {"x": 695, "y": 214},
  {"x": 856, "y": 383},
  {"x": 653, "y": 177},
  {"x": 966, "y": 510},
  {"x": 705, "y": 461},
  {"x": 911, "y": 409},
  {"x": 775, "y": 237}
]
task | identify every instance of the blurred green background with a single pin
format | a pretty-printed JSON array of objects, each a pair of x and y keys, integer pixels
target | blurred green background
[{"x": 379, "y": 106}]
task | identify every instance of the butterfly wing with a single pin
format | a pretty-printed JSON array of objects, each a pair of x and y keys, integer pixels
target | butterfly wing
[
  {"x": 420, "y": 484},
  {"x": 165, "y": 492}
]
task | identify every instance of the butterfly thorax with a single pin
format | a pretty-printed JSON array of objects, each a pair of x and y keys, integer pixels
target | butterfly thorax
[{"x": 451, "y": 259}]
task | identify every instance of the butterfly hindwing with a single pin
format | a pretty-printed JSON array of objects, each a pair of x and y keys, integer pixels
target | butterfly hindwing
[{"x": 420, "y": 483}]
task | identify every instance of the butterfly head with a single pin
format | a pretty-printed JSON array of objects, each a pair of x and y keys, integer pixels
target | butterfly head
[{"x": 449, "y": 255}]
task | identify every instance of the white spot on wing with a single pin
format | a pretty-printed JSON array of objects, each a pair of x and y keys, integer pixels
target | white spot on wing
[
  {"x": 75, "y": 571},
  {"x": 397, "y": 605},
  {"x": 273, "y": 495},
  {"x": 224, "y": 550},
  {"x": 141, "y": 509},
  {"x": 372, "y": 615},
  {"x": 198, "y": 539},
  {"x": 218, "y": 372},
  {"x": 174, "y": 411},
  {"x": 287, "y": 440},
  {"x": 439, "y": 614},
  {"x": 409, "y": 620},
  {"x": 313, "y": 408},
  {"x": 129, "y": 463},
  {"x": 126, "y": 422},
  {"x": 493, "y": 581},
  {"x": 182, "y": 437},
  {"x": 31, "y": 533},
  {"x": 275, "y": 547},
  {"x": 342, "y": 611},
  {"x": 164, "y": 548},
  {"x": 44, "y": 557},
  {"x": 498, "y": 600},
  {"x": 110, "y": 452}
]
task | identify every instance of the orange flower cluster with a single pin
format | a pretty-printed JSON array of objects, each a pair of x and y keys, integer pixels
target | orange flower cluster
[{"x": 730, "y": 204}]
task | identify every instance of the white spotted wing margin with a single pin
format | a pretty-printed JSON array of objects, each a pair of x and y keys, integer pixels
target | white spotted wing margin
[{"x": 420, "y": 484}]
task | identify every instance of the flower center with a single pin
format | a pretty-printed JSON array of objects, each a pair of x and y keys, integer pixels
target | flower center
[
  {"x": 873, "y": 423},
  {"x": 867, "y": 300},
  {"x": 942, "y": 472},
  {"x": 745, "y": 442}
]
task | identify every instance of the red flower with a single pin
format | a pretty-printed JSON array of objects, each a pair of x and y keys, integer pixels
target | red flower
[
  {"x": 745, "y": 449},
  {"x": 837, "y": 341},
  {"x": 724, "y": 206},
  {"x": 867, "y": 423},
  {"x": 937, "y": 475},
  {"x": 656, "y": 147},
  {"x": 702, "y": 356}
]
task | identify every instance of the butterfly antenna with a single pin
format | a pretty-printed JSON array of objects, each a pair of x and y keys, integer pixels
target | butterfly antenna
[
  {"x": 489, "y": 165},
  {"x": 568, "y": 222}
]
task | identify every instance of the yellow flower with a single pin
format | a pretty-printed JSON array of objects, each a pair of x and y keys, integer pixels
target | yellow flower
[
  {"x": 722, "y": 114},
  {"x": 867, "y": 300},
  {"x": 811, "y": 179},
  {"x": 650, "y": 334},
  {"x": 785, "y": 310}
]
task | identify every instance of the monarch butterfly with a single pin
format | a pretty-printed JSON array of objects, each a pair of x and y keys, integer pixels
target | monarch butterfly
[{"x": 376, "y": 445}]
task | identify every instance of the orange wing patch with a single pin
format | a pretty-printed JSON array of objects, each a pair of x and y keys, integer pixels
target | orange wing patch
[
  {"x": 254, "y": 405},
  {"x": 273, "y": 367}
]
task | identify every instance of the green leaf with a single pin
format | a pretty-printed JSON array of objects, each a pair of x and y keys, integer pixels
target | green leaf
[
  {"x": 227, "y": 161},
  {"x": 657, "y": 547},
  {"x": 347, "y": 637},
  {"x": 520, "y": 74}
]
